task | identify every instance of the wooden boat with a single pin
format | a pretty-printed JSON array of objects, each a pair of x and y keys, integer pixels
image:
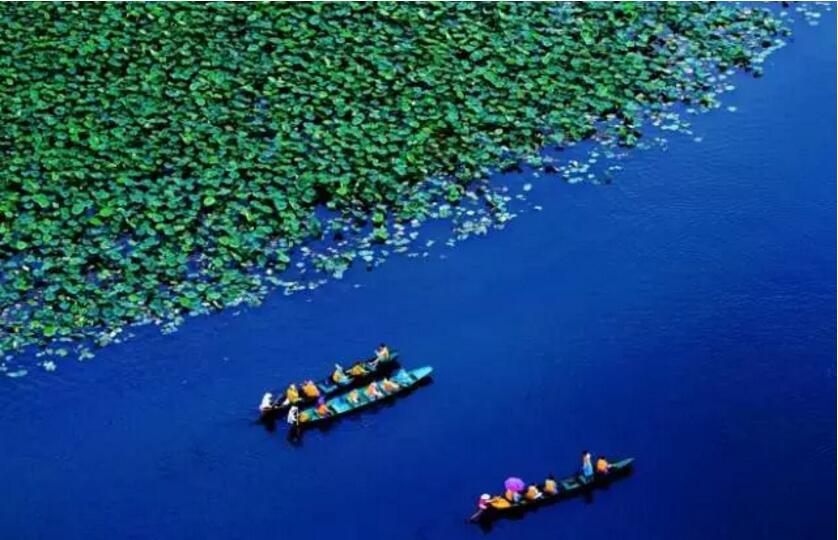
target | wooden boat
[
  {"x": 341, "y": 405},
  {"x": 369, "y": 369},
  {"x": 567, "y": 488}
]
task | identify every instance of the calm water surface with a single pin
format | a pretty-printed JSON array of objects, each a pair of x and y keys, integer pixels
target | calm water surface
[{"x": 684, "y": 315}]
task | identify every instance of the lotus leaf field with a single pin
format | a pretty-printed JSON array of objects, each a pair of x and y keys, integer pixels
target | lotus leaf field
[{"x": 161, "y": 159}]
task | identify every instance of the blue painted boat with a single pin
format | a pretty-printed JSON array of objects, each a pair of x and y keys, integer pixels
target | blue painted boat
[{"x": 343, "y": 404}]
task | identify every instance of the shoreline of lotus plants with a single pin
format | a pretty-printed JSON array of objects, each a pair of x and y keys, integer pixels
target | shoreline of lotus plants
[{"x": 165, "y": 160}]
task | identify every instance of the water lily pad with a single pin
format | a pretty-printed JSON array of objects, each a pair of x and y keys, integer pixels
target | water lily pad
[{"x": 177, "y": 152}]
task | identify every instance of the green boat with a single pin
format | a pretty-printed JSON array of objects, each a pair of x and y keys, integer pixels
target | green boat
[
  {"x": 341, "y": 405},
  {"x": 567, "y": 488},
  {"x": 368, "y": 370}
]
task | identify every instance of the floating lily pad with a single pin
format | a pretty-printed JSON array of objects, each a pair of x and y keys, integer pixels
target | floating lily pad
[{"x": 165, "y": 159}]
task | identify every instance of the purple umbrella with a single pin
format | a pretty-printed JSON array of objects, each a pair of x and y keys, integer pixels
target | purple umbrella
[{"x": 514, "y": 484}]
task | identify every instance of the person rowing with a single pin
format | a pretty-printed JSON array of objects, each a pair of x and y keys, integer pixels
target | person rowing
[
  {"x": 267, "y": 403},
  {"x": 293, "y": 415},
  {"x": 587, "y": 466},
  {"x": 602, "y": 466},
  {"x": 293, "y": 420},
  {"x": 482, "y": 506},
  {"x": 486, "y": 502},
  {"x": 338, "y": 376}
]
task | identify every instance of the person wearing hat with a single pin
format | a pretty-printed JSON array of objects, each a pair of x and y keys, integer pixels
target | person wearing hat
[{"x": 483, "y": 504}]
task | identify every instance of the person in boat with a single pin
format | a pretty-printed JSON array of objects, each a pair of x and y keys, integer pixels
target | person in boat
[
  {"x": 382, "y": 354},
  {"x": 533, "y": 493},
  {"x": 587, "y": 466},
  {"x": 357, "y": 370},
  {"x": 293, "y": 420},
  {"x": 373, "y": 391},
  {"x": 499, "y": 503},
  {"x": 512, "y": 496},
  {"x": 338, "y": 376},
  {"x": 322, "y": 408},
  {"x": 267, "y": 403},
  {"x": 550, "y": 486},
  {"x": 310, "y": 389},
  {"x": 353, "y": 397},
  {"x": 487, "y": 502},
  {"x": 602, "y": 466},
  {"x": 482, "y": 506},
  {"x": 293, "y": 417},
  {"x": 389, "y": 386},
  {"x": 292, "y": 395}
]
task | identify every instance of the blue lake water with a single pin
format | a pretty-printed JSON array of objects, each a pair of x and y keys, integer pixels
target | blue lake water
[{"x": 683, "y": 315}]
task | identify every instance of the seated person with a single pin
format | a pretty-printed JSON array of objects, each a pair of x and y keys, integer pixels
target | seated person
[
  {"x": 310, "y": 390},
  {"x": 389, "y": 386},
  {"x": 512, "y": 496},
  {"x": 382, "y": 353},
  {"x": 499, "y": 503},
  {"x": 602, "y": 465},
  {"x": 533, "y": 493},
  {"x": 357, "y": 370},
  {"x": 338, "y": 376},
  {"x": 353, "y": 397},
  {"x": 292, "y": 395},
  {"x": 323, "y": 409},
  {"x": 550, "y": 486},
  {"x": 373, "y": 392}
]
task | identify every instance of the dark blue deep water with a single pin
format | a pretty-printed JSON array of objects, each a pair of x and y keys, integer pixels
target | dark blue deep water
[{"x": 684, "y": 315}]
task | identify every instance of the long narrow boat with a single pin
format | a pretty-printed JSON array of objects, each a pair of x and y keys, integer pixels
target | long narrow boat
[
  {"x": 341, "y": 405},
  {"x": 369, "y": 369},
  {"x": 567, "y": 488}
]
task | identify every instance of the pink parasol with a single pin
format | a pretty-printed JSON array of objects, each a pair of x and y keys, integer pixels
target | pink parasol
[{"x": 514, "y": 484}]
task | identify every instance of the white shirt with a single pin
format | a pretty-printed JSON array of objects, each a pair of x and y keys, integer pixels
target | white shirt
[
  {"x": 293, "y": 412},
  {"x": 266, "y": 402}
]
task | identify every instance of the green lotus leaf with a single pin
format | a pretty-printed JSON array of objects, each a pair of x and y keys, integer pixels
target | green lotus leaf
[
  {"x": 41, "y": 199},
  {"x": 167, "y": 155}
]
